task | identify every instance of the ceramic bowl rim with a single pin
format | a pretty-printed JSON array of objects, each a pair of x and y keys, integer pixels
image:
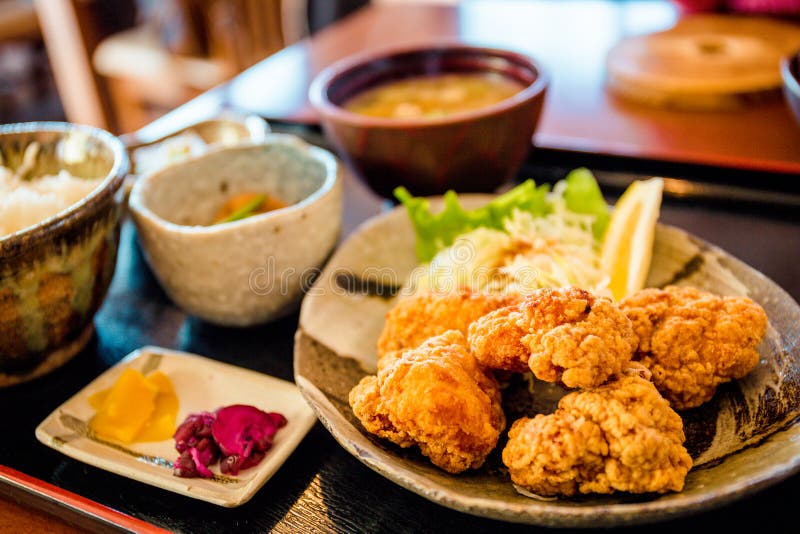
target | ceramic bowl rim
[
  {"x": 153, "y": 134},
  {"x": 318, "y": 90},
  {"x": 139, "y": 206},
  {"x": 112, "y": 181}
]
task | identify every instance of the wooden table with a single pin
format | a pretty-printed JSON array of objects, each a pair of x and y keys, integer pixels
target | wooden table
[
  {"x": 571, "y": 39},
  {"x": 322, "y": 487}
]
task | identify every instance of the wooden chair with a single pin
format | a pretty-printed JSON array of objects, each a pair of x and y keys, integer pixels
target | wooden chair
[
  {"x": 18, "y": 21},
  {"x": 122, "y": 80},
  {"x": 243, "y": 32},
  {"x": 21, "y": 80},
  {"x": 72, "y": 29}
]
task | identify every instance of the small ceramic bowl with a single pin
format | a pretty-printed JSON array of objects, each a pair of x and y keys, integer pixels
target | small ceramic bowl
[
  {"x": 252, "y": 270},
  {"x": 54, "y": 274},
  {"x": 790, "y": 72},
  {"x": 474, "y": 150}
]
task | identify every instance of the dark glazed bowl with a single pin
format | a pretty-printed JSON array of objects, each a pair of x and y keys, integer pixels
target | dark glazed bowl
[
  {"x": 790, "y": 72},
  {"x": 54, "y": 274},
  {"x": 471, "y": 151}
]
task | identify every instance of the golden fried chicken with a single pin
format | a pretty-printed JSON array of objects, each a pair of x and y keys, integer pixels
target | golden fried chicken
[
  {"x": 416, "y": 318},
  {"x": 622, "y": 436},
  {"x": 496, "y": 340},
  {"x": 692, "y": 340},
  {"x": 566, "y": 335},
  {"x": 437, "y": 397}
]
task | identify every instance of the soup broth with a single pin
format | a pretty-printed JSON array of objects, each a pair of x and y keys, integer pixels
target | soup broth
[{"x": 433, "y": 96}]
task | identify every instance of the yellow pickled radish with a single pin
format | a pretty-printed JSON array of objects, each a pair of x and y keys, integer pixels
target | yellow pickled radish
[
  {"x": 627, "y": 248},
  {"x": 126, "y": 408},
  {"x": 96, "y": 400},
  {"x": 161, "y": 424},
  {"x": 161, "y": 382},
  {"x": 136, "y": 408}
]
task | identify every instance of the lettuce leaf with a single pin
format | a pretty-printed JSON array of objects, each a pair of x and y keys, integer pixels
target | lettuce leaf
[
  {"x": 582, "y": 195},
  {"x": 436, "y": 231}
]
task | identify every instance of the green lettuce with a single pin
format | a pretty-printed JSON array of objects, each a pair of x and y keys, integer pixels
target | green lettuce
[
  {"x": 436, "y": 231},
  {"x": 582, "y": 195}
]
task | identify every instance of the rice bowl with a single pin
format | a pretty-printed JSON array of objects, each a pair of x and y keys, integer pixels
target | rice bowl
[{"x": 58, "y": 245}]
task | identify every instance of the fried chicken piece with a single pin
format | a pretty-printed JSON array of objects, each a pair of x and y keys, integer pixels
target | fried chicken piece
[
  {"x": 622, "y": 436},
  {"x": 692, "y": 340},
  {"x": 576, "y": 337},
  {"x": 437, "y": 397},
  {"x": 566, "y": 335},
  {"x": 365, "y": 399},
  {"x": 419, "y": 317},
  {"x": 496, "y": 340}
]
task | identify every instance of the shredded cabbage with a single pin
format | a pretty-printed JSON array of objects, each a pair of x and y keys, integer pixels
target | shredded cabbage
[
  {"x": 531, "y": 251},
  {"x": 556, "y": 250},
  {"x": 435, "y": 231}
]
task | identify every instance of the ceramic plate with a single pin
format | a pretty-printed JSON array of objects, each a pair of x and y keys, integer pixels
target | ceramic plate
[
  {"x": 201, "y": 385},
  {"x": 744, "y": 439}
]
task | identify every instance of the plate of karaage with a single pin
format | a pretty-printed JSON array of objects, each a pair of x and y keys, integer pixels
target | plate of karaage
[{"x": 558, "y": 407}]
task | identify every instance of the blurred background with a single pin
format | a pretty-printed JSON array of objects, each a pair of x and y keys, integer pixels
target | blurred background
[{"x": 119, "y": 64}]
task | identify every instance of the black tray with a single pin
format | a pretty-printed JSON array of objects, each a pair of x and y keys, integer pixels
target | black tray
[{"x": 320, "y": 488}]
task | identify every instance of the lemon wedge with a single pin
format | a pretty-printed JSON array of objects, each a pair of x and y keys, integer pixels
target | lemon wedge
[{"x": 628, "y": 241}]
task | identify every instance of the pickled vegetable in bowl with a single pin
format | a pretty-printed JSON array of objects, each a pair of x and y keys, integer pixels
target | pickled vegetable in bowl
[
  {"x": 249, "y": 268},
  {"x": 245, "y": 205}
]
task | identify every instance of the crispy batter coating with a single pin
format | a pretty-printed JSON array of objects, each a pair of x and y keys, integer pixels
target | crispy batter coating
[
  {"x": 437, "y": 397},
  {"x": 566, "y": 335},
  {"x": 496, "y": 340},
  {"x": 416, "y": 318},
  {"x": 576, "y": 337},
  {"x": 365, "y": 400},
  {"x": 622, "y": 436},
  {"x": 692, "y": 340}
]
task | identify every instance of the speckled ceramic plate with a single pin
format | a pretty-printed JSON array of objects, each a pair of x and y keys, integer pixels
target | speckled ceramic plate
[
  {"x": 201, "y": 385},
  {"x": 745, "y": 439}
]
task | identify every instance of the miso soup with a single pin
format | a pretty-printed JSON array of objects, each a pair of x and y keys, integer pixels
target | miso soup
[{"x": 433, "y": 96}]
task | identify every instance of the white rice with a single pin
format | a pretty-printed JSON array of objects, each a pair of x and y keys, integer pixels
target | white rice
[{"x": 24, "y": 203}]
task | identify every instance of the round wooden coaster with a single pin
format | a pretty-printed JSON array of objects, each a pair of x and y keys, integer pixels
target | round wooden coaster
[{"x": 704, "y": 62}]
